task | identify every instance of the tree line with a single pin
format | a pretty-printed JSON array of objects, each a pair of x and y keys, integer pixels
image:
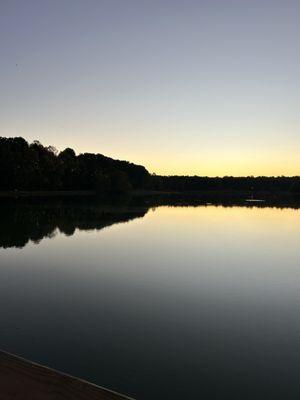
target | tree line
[
  {"x": 25, "y": 166},
  {"x": 227, "y": 184}
]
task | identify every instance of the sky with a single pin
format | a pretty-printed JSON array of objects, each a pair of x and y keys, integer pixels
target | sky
[{"x": 206, "y": 87}]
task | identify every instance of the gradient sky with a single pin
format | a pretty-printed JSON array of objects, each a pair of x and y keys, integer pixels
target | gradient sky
[{"x": 183, "y": 87}]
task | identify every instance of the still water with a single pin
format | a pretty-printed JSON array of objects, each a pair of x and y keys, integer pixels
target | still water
[{"x": 157, "y": 303}]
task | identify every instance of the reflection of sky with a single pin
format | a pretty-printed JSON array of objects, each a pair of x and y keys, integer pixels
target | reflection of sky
[
  {"x": 206, "y": 87},
  {"x": 207, "y": 294},
  {"x": 229, "y": 248}
]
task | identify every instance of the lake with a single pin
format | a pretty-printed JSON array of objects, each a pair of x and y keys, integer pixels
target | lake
[{"x": 167, "y": 302}]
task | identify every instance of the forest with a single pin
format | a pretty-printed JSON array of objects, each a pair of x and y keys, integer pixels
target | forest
[
  {"x": 25, "y": 166},
  {"x": 278, "y": 184},
  {"x": 34, "y": 167}
]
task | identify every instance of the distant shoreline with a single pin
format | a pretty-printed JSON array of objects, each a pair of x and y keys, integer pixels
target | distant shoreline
[{"x": 197, "y": 194}]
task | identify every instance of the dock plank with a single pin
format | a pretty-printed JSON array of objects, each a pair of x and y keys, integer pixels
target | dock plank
[{"x": 24, "y": 380}]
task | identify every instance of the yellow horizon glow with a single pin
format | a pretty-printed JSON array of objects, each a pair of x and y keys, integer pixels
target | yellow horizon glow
[
  {"x": 229, "y": 170},
  {"x": 234, "y": 158},
  {"x": 227, "y": 165}
]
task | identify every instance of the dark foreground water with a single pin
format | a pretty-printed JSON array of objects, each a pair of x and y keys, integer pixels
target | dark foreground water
[{"x": 166, "y": 303}]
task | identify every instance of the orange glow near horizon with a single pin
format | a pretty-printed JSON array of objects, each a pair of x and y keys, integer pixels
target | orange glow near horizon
[
  {"x": 222, "y": 164},
  {"x": 205, "y": 161},
  {"x": 268, "y": 158}
]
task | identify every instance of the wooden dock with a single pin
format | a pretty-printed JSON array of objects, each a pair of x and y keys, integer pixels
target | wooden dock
[{"x": 24, "y": 380}]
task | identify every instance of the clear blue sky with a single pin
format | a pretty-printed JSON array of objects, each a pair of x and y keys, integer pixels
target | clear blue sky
[{"x": 193, "y": 87}]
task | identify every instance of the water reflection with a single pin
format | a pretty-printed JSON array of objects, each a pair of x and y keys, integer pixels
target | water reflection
[
  {"x": 24, "y": 223},
  {"x": 200, "y": 301}
]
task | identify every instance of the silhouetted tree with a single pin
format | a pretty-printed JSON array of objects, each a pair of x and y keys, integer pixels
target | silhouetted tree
[{"x": 35, "y": 167}]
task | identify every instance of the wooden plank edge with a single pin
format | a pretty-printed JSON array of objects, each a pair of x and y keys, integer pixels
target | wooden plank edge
[{"x": 16, "y": 369}]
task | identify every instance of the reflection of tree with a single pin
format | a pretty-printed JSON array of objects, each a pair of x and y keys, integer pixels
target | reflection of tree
[{"x": 21, "y": 224}]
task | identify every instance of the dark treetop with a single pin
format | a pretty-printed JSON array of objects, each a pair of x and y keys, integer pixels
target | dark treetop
[{"x": 32, "y": 166}]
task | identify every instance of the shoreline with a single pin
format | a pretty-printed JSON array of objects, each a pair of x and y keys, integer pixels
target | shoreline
[{"x": 217, "y": 194}]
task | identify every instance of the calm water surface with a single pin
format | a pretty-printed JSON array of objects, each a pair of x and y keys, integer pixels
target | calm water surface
[{"x": 167, "y": 303}]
